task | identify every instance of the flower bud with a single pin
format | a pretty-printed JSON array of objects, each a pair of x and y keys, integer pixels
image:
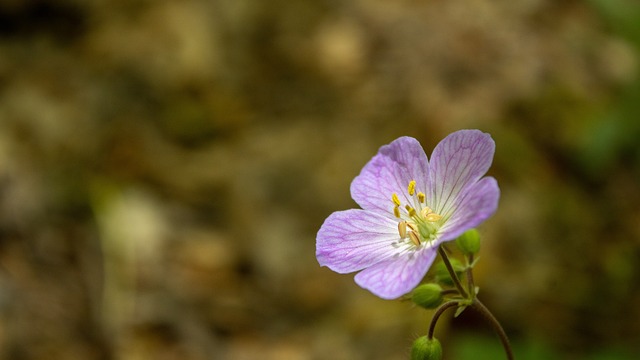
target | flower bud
[
  {"x": 426, "y": 349},
  {"x": 429, "y": 296},
  {"x": 442, "y": 274},
  {"x": 469, "y": 242}
]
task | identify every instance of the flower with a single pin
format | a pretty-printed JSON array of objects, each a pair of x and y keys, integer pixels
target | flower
[{"x": 410, "y": 206}]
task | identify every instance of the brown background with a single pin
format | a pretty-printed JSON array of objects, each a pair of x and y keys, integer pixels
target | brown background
[{"x": 165, "y": 165}]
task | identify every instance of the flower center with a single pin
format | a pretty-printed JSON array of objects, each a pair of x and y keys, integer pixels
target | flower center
[{"x": 418, "y": 222}]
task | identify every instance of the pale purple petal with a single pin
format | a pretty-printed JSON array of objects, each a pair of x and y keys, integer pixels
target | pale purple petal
[
  {"x": 352, "y": 240},
  {"x": 458, "y": 161},
  {"x": 396, "y": 277},
  {"x": 476, "y": 205},
  {"x": 368, "y": 239},
  {"x": 390, "y": 171}
]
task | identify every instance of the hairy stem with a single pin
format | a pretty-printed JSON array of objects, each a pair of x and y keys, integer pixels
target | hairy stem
[
  {"x": 439, "y": 311},
  {"x": 452, "y": 272}
]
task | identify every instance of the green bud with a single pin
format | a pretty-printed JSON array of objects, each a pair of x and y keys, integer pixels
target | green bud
[
  {"x": 425, "y": 349},
  {"x": 429, "y": 296},
  {"x": 469, "y": 242},
  {"x": 442, "y": 274}
]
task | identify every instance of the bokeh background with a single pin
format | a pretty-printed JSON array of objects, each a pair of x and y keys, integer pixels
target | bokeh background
[{"x": 165, "y": 166}]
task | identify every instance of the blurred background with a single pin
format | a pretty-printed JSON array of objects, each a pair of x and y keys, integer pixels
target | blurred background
[{"x": 165, "y": 166}]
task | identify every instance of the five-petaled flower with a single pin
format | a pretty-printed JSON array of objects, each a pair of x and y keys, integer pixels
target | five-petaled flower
[{"x": 410, "y": 205}]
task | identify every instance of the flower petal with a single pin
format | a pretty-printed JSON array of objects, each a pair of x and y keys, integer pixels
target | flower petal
[
  {"x": 390, "y": 171},
  {"x": 477, "y": 204},
  {"x": 396, "y": 277},
  {"x": 458, "y": 161},
  {"x": 352, "y": 240}
]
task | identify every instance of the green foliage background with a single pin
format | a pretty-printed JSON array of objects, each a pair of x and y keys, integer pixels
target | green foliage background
[{"x": 165, "y": 165}]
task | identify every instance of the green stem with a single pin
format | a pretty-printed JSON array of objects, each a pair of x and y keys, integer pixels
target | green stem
[
  {"x": 449, "y": 292},
  {"x": 469, "y": 272},
  {"x": 452, "y": 272},
  {"x": 479, "y": 307},
  {"x": 439, "y": 311}
]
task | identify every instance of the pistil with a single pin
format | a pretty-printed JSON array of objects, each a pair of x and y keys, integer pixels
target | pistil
[{"x": 419, "y": 225}]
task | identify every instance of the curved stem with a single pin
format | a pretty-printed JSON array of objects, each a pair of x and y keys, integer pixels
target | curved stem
[
  {"x": 479, "y": 307},
  {"x": 439, "y": 311},
  {"x": 452, "y": 272}
]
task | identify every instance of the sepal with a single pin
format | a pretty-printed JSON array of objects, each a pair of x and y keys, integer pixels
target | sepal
[
  {"x": 442, "y": 274},
  {"x": 428, "y": 296},
  {"x": 469, "y": 242},
  {"x": 426, "y": 349}
]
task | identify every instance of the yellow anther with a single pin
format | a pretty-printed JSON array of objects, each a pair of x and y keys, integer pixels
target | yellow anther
[
  {"x": 394, "y": 198},
  {"x": 421, "y": 197},
  {"x": 402, "y": 229},
  {"x": 412, "y": 187},
  {"x": 412, "y": 226},
  {"x": 412, "y": 211},
  {"x": 414, "y": 238},
  {"x": 396, "y": 211}
]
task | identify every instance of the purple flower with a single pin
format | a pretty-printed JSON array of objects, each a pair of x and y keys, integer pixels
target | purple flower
[{"x": 410, "y": 205}]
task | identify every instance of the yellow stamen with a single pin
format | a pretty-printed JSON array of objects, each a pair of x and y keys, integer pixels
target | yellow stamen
[
  {"x": 402, "y": 229},
  {"x": 394, "y": 198},
  {"x": 412, "y": 211},
  {"x": 396, "y": 211},
  {"x": 412, "y": 226},
  {"x": 414, "y": 238},
  {"x": 412, "y": 187},
  {"x": 421, "y": 197}
]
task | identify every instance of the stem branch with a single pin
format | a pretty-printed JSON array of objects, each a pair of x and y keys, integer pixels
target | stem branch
[
  {"x": 470, "y": 284},
  {"x": 449, "y": 292}
]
